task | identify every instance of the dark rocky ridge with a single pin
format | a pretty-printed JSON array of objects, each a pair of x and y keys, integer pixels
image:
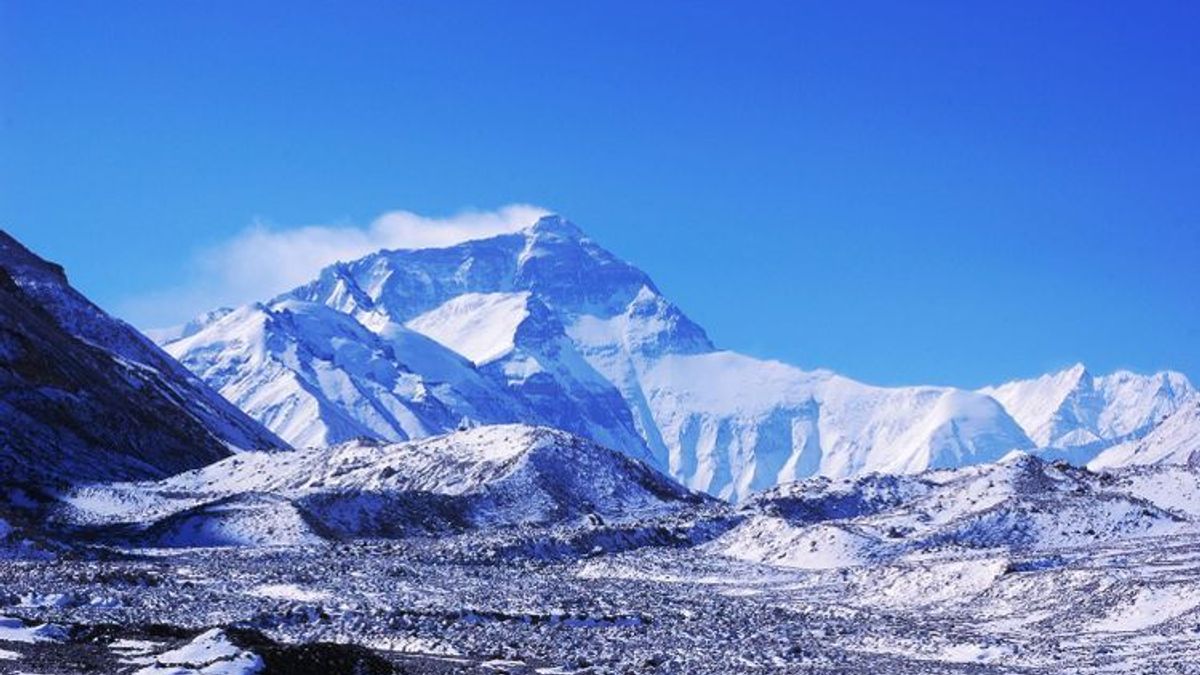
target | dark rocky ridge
[{"x": 85, "y": 397}]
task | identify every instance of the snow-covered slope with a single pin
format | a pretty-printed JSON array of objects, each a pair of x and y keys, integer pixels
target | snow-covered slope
[
  {"x": 480, "y": 326},
  {"x": 84, "y": 397},
  {"x": 1176, "y": 440},
  {"x": 496, "y": 476},
  {"x": 517, "y": 341},
  {"x": 764, "y": 422},
  {"x": 1072, "y": 408},
  {"x": 316, "y": 376},
  {"x": 1022, "y": 504}
]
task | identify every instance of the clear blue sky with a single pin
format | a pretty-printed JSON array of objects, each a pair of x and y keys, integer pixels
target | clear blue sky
[{"x": 952, "y": 193}]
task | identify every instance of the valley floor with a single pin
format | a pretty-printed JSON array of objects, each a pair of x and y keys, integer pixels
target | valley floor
[{"x": 453, "y": 605}]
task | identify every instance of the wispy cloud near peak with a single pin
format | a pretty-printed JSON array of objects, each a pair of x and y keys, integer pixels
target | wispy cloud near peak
[{"x": 264, "y": 260}]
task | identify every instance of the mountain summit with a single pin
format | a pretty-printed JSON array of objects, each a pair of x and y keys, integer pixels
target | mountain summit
[
  {"x": 550, "y": 328},
  {"x": 1072, "y": 408}
]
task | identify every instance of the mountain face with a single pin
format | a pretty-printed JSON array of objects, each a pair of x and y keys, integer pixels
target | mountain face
[
  {"x": 516, "y": 340},
  {"x": 1174, "y": 441},
  {"x": 575, "y": 338},
  {"x": 1073, "y": 409},
  {"x": 317, "y": 377},
  {"x": 84, "y": 397}
]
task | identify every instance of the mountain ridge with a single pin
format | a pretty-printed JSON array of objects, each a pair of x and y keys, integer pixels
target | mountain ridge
[
  {"x": 526, "y": 305},
  {"x": 86, "y": 397}
]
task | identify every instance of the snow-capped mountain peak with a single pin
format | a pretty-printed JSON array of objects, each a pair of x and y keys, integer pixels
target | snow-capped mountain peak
[
  {"x": 553, "y": 329},
  {"x": 318, "y": 376},
  {"x": 555, "y": 226},
  {"x": 1072, "y": 408}
]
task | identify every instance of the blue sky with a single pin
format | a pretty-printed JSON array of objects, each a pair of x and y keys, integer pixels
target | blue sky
[{"x": 953, "y": 193}]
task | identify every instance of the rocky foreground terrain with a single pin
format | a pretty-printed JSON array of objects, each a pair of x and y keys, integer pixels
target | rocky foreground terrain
[
  {"x": 1118, "y": 608},
  {"x": 1020, "y": 567}
]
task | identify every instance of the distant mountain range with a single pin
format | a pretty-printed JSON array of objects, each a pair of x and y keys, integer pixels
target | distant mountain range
[{"x": 546, "y": 327}]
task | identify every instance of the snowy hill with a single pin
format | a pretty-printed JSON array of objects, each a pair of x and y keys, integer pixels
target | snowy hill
[
  {"x": 489, "y": 477},
  {"x": 578, "y": 339},
  {"x": 1072, "y": 408},
  {"x": 1021, "y": 504},
  {"x": 84, "y": 397}
]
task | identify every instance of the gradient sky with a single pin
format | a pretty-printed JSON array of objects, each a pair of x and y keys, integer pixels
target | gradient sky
[{"x": 953, "y": 193}]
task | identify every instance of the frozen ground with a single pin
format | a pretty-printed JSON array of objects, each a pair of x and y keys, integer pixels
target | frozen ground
[
  {"x": 462, "y": 604},
  {"x": 1022, "y": 566}
]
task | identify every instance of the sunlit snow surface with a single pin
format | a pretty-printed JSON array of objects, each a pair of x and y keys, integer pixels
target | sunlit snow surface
[{"x": 480, "y": 326}]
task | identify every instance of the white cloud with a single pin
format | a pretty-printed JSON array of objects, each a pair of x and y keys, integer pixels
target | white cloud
[{"x": 263, "y": 261}]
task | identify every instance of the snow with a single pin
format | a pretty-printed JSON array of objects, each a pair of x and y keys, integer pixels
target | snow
[
  {"x": 972, "y": 653},
  {"x": 1174, "y": 441},
  {"x": 545, "y": 327},
  {"x": 240, "y": 520},
  {"x": 133, "y": 646},
  {"x": 492, "y": 476},
  {"x": 209, "y": 646},
  {"x": 1071, "y": 408},
  {"x": 1172, "y": 487},
  {"x": 1039, "y": 405},
  {"x": 925, "y": 525},
  {"x": 1024, "y": 504},
  {"x": 316, "y": 376},
  {"x": 769, "y": 423},
  {"x": 290, "y": 592},
  {"x": 480, "y": 326},
  {"x": 585, "y": 342},
  {"x": 210, "y": 653},
  {"x": 15, "y": 630},
  {"x": 993, "y": 567},
  {"x": 1149, "y": 607},
  {"x": 775, "y": 541}
]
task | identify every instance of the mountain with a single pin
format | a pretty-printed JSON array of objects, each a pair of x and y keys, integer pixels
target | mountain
[
  {"x": 1073, "y": 409},
  {"x": 768, "y": 423},
  {"x": 566, "y": 334},
  {"x": 516, "y": 340},
  {"x": 85, "y": 397},
  {"x": 317, "y": 376},
  {"x": 1176, "y": 440},
  {"x": 580, "y": 340},
  {"x": 489, "y": 477},
  {"x": 1023, "y": 504}
]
